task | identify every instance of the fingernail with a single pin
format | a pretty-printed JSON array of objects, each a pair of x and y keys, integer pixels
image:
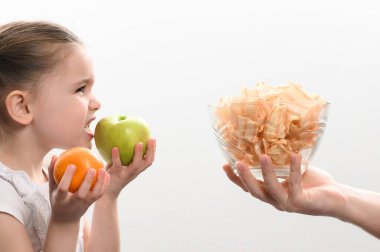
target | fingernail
[
  {"x": 292, "y": 157},
  {"x": 71, "y": 167},
  {"x": 239, "y": 167},
  {"x": 101, "y": 172},
  {"x": 92, "y": 172}
]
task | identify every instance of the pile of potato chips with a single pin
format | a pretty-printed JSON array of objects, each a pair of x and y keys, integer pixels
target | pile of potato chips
[{"x": 271, "y": 120}]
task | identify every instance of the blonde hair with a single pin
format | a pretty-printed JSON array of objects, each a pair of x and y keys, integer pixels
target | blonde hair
[{"x": 28, "y": 51}]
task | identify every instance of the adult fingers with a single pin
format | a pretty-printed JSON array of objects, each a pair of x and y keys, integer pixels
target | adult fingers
[
  {"x": 232, "y": 176},
  {"x": 250, "y": 182},
  {"x": 295, "y": 177},
  {"x": 273, "y": 187}
]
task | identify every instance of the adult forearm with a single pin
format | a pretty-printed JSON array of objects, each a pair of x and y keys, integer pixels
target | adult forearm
[
  {"x": 105, "y": 235},
  {"x": 62, "y": 236},
  {"x": 362, "y": 209}
]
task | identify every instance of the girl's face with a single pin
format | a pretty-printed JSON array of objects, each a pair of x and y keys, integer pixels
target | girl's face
[{"x": 65, "y": 106}]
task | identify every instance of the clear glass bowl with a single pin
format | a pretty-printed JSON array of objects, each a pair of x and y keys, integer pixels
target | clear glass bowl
[{"x": 243, "y": 131}]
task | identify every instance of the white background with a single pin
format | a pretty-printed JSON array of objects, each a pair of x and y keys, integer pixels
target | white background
[{"x": 166, "y": 60}]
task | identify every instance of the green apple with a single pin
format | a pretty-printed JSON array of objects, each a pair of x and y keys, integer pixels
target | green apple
[{"x": 123, "y": 132}]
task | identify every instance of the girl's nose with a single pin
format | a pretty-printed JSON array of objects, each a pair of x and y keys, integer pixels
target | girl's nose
[{"x": 94, "y": 104}]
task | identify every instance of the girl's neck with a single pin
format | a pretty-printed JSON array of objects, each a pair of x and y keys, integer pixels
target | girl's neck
[{"x": 22, "y": 154}]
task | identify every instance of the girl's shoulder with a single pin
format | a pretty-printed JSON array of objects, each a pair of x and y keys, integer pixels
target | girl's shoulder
[
  {"x": 19, "y": 180},
  {"x": 26, "y": 201},
  {"x": 11, "y": 202}
]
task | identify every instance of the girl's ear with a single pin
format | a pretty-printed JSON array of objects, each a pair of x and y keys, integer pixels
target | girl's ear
[{"x": 17, "y": 107}]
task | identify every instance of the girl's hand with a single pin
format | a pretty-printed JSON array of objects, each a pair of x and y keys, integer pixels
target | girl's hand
[
  {"x": 313, "y": 193},
  {"x": 70, "y": 207},
  {"x": 122, "y": 175}
]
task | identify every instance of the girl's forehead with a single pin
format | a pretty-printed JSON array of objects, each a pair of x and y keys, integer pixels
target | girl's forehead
[
  {"x": 76, "y": 66},
  {"x": 79, "y": 61}
]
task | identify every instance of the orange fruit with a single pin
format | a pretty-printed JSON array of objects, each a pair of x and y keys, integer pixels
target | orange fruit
[{"x": 83, "y": 159}]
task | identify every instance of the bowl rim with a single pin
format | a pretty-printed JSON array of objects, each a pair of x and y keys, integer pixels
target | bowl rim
[{"x": 275, "y": 103}]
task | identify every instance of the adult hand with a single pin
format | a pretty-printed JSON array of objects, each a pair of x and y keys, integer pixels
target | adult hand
[{"x": 313, "y": 193}]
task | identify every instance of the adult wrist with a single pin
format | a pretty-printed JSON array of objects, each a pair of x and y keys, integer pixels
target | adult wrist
[
  {"x": 344, "y": 211},
  {"x": 352, "y": 211}
]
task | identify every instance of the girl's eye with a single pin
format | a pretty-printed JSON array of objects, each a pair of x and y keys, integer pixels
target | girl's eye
[{"x": 80, "y": 90}]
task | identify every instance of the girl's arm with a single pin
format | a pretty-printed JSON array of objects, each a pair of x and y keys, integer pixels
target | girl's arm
[
  {"x": 68, "y": 208},
  {"x": 13, "y": 236},
  {"x": 62, "y": 236},
  {"x": 105, "y": 235}
]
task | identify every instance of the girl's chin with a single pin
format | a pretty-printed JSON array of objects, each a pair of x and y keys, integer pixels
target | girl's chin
[
  {"x": 87, "y": 140},
  {"x": 85, "y": 144}
]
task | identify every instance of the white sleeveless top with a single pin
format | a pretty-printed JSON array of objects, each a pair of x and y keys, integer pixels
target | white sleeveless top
[{"x": 29, "y": 203}]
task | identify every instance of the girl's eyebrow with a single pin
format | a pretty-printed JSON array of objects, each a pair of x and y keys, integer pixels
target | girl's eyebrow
[{"x": 85, "y": 80}]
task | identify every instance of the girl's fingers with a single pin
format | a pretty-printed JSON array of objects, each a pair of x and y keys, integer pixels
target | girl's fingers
[
  {"x": 232, "y": 176},
  {"x": 52, "y": 184},
  {"x": 251, "y": 183},
  {"x": 106, "y": 182},
  {"x": 273, "y": 187},
  {"x": 295, "y": 177},
  {"x": 85, "y": 187},
  {"x": 64, "y": 185},
  {"x": 138, "y": 164},
  {"x": 148, "y": 159},
  {"x": 101, "y": 183},
  {"x": 138, "y": 154},
  {"x": 108, "y": 167},
  {"x": 116, "y": 162},
  {"x": 150, "y": 152}
]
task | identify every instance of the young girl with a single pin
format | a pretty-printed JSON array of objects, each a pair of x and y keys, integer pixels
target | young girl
[{"x": 46, "y": 77}]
